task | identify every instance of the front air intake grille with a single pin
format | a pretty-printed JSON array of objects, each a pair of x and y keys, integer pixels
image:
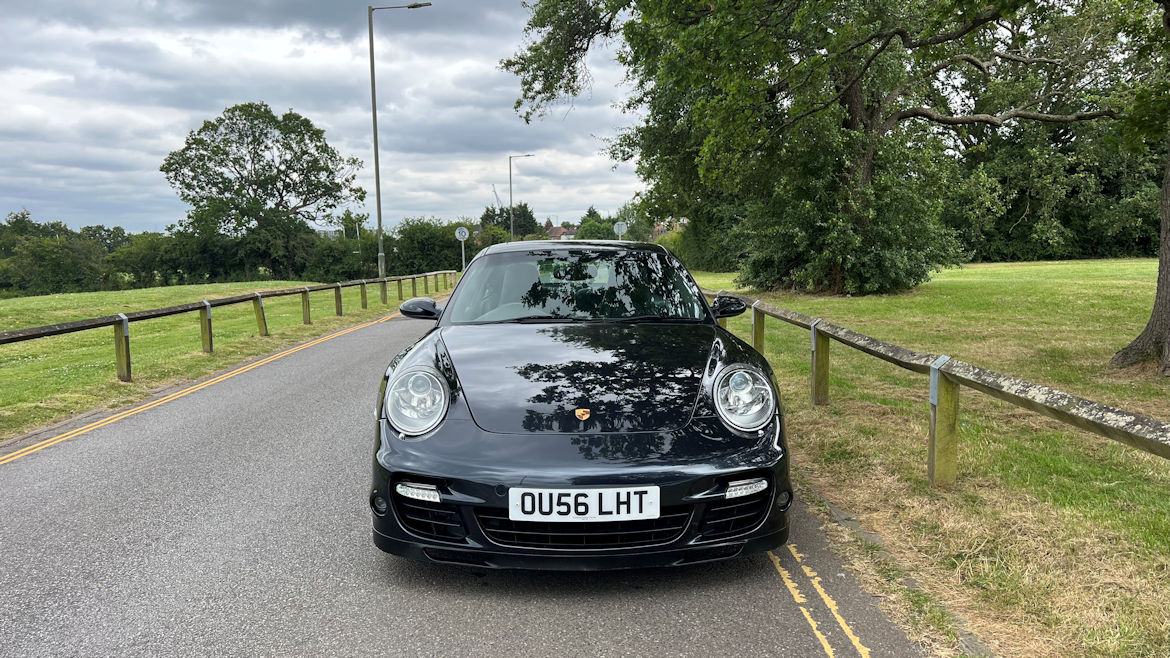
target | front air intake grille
[
  {"x": 432, "y": 520},
  {"x": 728, "y": 518},
  {"x": 584, "y": 535}
]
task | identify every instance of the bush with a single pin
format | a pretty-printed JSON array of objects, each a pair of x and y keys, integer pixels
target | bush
[{"x": 672, "y": 240}]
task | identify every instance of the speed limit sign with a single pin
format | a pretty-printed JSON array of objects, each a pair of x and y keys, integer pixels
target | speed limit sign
[{"x": 461, "y": 235}]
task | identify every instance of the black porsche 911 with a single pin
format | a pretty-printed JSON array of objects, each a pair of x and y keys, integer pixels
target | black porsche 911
[{"x": 578, "y": 407}]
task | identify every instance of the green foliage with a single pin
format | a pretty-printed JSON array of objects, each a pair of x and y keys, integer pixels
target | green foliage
[
  {"x": 252, "y": 174},
  {"x": 708, "y": 240},
  {"x": 489, "y": 235},
  {"x": 249, "y": 166},
  {"x": 524, "y": 220},
  {"x": 424, "y": 245},
  {"x": 672, "y": 240},
  {"x": 344, "y": 259},
  {"x": 819, "y": 140},
  {"x": 640, "y": 225},
  {"x": 797, "y": 240},
  {"x": 143, "y": 261},
  {"x": 1042, "y": 192},
  {"x": 49, "y": 258},
  {"x": 595, "y": 227},
  {"x": 109, "y": 238},
  {"x": 41, "y": 266}
]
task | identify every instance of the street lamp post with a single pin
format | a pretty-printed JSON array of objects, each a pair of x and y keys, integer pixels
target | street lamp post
[
  {"x": 374, "y": 113},
  {"x": 512, "y": 206}
]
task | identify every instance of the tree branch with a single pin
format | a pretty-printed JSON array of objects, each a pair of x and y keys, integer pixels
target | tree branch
[
  {"x": 988, "y": 15},
  {"x": 998, "y": 120},
  {"x": 1024, "y": 60}
]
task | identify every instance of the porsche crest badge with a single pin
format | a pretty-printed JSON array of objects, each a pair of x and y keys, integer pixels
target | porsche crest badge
[{"x": 582, "y": 414}]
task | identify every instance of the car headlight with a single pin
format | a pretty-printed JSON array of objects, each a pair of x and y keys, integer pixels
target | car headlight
[
  {"x": 744, "y": 398},
  {"x": 416, "y": 401}
]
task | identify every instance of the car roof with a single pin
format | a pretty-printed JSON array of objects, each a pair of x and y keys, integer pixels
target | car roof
[{"x": 567, "y": 245}]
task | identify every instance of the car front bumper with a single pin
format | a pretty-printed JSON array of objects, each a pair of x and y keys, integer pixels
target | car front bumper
[{"x": 469, "y": 525}]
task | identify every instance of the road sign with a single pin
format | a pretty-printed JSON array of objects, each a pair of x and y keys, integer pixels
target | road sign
[
  {"x": 461, "y": 235},
  {"x": 620, "y": 228}
]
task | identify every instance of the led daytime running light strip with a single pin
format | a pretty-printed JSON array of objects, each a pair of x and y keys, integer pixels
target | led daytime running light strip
[
  {"x": 424, "y": 492},
  {"x": 741, "y": 488}
]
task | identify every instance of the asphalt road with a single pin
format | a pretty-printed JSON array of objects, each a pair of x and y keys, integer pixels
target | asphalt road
[{"x": 233, "y": 520}]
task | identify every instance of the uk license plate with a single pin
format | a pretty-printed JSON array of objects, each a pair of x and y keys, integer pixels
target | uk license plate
[{"x": 606, "y": 504}]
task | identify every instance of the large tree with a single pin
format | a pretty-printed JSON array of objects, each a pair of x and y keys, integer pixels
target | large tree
[
  {"x": 828, "y": 124},
  {"x": 595, "y": 227},
  {"x": 521, "y": 220},
  {"x": 1150, "y": 119},
  {"x": 251, "y": 172}
]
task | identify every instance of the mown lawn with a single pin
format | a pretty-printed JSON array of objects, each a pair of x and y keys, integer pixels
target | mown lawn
[
  {"x": 1053, "y": 541},
  {"x": 49, "y": 379}
]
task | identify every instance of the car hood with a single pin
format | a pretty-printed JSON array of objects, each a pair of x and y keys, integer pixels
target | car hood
[{"x": 521, "y": 378}]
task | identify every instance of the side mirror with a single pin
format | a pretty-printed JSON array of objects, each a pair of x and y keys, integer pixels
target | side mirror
[
  {"x": 422, "y": 308},
  {"x": 726, "y": 307}
]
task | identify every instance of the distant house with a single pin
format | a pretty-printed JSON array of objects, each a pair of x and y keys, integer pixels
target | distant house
[
  {"x": 669, "y": 225},
  {"x": 562, "y": 233}
]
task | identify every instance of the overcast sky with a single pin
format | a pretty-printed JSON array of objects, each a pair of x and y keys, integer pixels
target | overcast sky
[{"x": 96, "y": 95}]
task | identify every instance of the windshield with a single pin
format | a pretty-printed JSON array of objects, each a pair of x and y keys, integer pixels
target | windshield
[{"x": 545, "y": 285}]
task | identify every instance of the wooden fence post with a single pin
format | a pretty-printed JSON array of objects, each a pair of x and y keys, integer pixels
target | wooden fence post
[
  {"x": 414, "y": 286},
  {"x": 306, "y": 310},
  {"x": 426, "y": 286},
  {"x": 205, "y": 326},
  {"x": 400, "y": 290},
  {"x": 122, "y": 347},
  {"x": 365, "y": 304},
  {"x": 819, "y": 378},
  {"x": 758, "y": 328},
  {"x": 446, "y": 281},
  {"x": 942, "y": 448},
  {"x": 337, "y": 299},
  {"x": 382, "y": 287},
  {"x": 258, "y": 309},
  {"x": 437, "y": 288}
]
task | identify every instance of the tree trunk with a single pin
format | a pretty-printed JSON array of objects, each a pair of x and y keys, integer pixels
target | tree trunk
[{"x": 1154, "y": 341}]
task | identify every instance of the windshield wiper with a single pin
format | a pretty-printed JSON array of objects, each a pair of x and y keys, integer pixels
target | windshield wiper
[
  {"x": 538, "y": 319},
  {"x": 657, "y": 318}
]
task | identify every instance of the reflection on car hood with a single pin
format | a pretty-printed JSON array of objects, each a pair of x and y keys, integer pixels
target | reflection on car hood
[{"x": 534, "y": 378}]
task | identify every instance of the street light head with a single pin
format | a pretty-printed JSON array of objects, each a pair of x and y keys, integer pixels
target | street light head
[{"x": 413, "y": 5}]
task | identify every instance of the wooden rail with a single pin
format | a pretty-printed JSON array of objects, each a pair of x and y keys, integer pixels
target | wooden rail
[
  {"x": 946, "y": 376},
  {"x": 121, "y": 322}
]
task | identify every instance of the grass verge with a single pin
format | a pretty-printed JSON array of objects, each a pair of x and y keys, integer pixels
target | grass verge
[
  {"x": 1053, "y": 541},
  {"x": 50, "y": 379}
]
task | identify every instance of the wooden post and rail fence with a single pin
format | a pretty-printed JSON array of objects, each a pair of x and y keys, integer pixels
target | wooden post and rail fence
[
  {"x": 121, "y": 322},
  {"x": 946, "y": 377}
]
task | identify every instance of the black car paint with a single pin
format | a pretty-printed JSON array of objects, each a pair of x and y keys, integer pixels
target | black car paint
[
  {"x": 653, "y": 421},
  {"x": 726, "y": 306},
  {"x": 633, "y": 378}
]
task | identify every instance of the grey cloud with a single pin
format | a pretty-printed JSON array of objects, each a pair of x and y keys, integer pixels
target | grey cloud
[
  {"x": 328, "y": 19},
  {"x": 98, "y": 98}
]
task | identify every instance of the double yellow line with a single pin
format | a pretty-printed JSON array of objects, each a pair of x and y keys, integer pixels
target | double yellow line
[
  {"x": 799, "y": 598},
  {"x": 24, "y": 452}
]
